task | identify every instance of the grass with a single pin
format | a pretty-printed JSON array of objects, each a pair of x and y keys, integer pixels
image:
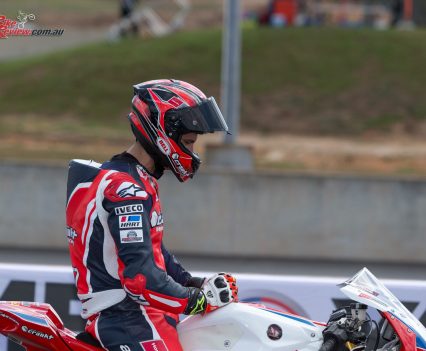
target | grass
[
  {"x": 94, "y": 84},
  {"x": 306, "y": 81}
]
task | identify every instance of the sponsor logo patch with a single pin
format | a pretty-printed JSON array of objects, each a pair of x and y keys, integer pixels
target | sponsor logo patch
[
  {"x": 71, "y": 235},
  {"x": 154, "y": 345},
  {"x": 164, "y": 146},
  {"x": 129, "y": 209},
  {"x": 178, "y": 164},
  {"x": 131, "y": 236},
  {"x": 156, "y": 219},
  {"x": 37, "y": 333},
  {"x": 274, "y": 332},
  {"x": 127, "y": 189},
  {"x": 131, "y": 221}
]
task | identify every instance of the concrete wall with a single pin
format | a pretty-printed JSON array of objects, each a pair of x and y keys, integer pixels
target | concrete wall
[{"x": 280, "y": 215}]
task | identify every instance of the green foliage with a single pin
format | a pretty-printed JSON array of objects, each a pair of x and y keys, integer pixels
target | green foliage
[{"x": 318, "y": 81}]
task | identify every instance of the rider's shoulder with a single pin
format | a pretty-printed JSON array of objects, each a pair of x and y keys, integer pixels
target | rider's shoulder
[{"x": 122, "y": 187}]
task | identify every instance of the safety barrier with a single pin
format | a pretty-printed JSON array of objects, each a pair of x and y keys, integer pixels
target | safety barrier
[
  {"x": 258, "y": 214},
  {"x": 312, "y": 297}
]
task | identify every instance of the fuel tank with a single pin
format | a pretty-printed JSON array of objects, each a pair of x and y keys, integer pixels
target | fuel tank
[{"x": 243, "y": 327}]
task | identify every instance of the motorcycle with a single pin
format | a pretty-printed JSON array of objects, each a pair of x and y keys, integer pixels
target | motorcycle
[{"x": 245, "y": 326}]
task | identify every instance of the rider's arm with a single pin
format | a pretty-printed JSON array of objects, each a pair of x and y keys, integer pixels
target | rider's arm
[
  {"x": 140, "y": 274},
  {"x": 177, "y": 272},
  {"x": 174, "y": 267}
]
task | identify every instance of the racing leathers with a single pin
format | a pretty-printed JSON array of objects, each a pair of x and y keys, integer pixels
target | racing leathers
[{"x": 130, "y": 286}]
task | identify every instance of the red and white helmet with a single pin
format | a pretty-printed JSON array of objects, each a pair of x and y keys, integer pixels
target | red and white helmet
[{"x": 162, "y": 111}]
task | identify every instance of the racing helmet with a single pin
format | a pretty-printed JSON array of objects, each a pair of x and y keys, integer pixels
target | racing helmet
[{"x": 162, "y": 111}]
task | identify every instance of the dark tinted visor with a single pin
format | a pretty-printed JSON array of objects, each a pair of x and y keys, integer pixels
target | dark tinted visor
[{"x": 203, "y": 118}]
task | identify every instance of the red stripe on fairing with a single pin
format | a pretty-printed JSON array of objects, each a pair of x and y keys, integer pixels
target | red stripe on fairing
[
  {"x": 408, "y": 338},
  {"x": 285, "y": 308},
  {"x": 289, "y": 311},
  {"x": 76, "y": 215}
]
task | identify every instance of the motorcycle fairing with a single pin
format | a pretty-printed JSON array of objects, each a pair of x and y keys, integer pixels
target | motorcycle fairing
[
  {"x": 408, "y": 339},
  {"x": 293, "y": 317},
  {"x": 244, "y": 326},
  {"x": 38, "y": 327},
  {"x": 365, "y": 288},
  {"x": 28, "y": 318}
]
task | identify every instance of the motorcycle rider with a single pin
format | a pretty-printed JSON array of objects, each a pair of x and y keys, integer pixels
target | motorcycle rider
[{"x": 130, "y": 286}]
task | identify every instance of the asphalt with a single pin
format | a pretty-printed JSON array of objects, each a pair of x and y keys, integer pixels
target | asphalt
[{"x": 383, "y": 270}]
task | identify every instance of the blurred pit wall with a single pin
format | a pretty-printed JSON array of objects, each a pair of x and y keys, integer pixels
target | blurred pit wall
[{"x": 243, "y": 214}]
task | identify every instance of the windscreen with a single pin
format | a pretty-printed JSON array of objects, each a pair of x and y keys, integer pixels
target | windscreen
[{"x": 365, "y": 288}]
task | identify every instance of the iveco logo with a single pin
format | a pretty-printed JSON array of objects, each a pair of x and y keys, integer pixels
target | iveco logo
[{"x": 164, "y": 146}]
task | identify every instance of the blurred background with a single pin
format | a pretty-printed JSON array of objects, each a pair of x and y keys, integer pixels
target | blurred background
[{"x": 328, "y": 170}]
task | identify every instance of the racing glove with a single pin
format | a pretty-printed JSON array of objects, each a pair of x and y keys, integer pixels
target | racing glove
[{"x": 217, "y": 291}]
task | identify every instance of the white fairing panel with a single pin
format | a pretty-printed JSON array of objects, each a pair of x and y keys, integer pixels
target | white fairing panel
[{"x": 244, "y": 327}]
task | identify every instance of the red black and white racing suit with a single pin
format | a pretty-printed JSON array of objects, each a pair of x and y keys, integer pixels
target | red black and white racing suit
[{"x": 130, "y": 286}]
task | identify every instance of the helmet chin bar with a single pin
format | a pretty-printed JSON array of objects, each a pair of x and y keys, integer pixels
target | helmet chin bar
[{"x": 196, "y": 161}]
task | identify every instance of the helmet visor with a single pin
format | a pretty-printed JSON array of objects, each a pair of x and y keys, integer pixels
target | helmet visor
[{"x": 203, "y": 118}]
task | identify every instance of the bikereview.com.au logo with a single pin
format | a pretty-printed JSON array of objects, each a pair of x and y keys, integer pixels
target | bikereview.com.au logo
[{"x": 16, "y": 27}]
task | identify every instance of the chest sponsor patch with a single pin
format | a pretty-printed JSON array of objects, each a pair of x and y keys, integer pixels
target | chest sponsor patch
[
  {"x": 156, "y": 219},
  {"x": 131, "y": 221},
  {"x": 127, "y": 189},
  {"x": 129, "y": 209},
  {"x": 131, "y": 236},
  {"x": 154, "y": 345}
]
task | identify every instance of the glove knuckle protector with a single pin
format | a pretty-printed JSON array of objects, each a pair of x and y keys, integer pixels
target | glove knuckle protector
[
  {"x": 217, "y": 291},
  {"x": 220, "y": 283},
  {"x": 220, "y": 290}
]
